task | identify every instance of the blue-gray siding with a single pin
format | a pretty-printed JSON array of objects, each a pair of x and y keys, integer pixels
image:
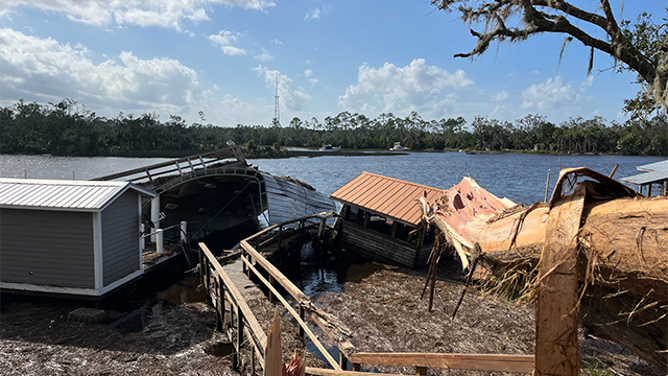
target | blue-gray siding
[
  {"x": 120, "y": 238},
  {"x": 45, "y": 247}
]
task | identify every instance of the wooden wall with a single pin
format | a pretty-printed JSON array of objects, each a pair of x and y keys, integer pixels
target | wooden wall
[{"x": 377, "y": 246}]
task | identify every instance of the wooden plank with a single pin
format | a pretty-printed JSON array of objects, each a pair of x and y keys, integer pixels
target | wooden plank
[
  {"x": 331, "y": 372},
  {"x": 236, "y": 296},
  {"x": 477, "y": 362},
  {"x": 294, "y": 314},
  {"x": 316, "y": 313},
  {"x": 557, "y": 307}
]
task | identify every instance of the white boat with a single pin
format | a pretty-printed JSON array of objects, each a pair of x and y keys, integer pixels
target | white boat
[
  {"x": 397, "y": 147},
  {"x": 330, "y": 148}
]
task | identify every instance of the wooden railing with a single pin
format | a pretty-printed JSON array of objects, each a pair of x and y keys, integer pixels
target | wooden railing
[
  {"x": 221, "y": 289},
  {"x": 474, "y": 362},
  {"x": 252, "y": 258}
]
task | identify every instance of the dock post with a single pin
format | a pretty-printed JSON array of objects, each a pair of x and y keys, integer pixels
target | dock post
[
  {"x": 184, "y": 232},
  {"x": 280, "y": 236},
  {"x": 220, "y": 308},
  {"x": 272, "y": 282},
  {"x": 301, "y": 316},
  {"x": 343, "y": 361},
  {"x": 236, "y": 360},
  {"x": 143, "y": 238},
  {"x": 159, "y": 237},
  {"x": 155, "y": 214},
  {"x": 421, "y": 370}
]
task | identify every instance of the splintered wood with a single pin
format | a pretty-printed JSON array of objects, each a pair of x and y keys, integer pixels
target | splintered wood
[
  {"x": 622, "y": 257},
  {"x": 557, "y": 308}
]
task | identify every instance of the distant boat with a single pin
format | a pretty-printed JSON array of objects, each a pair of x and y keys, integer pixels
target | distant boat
[
  {"x": 330, "y": 148},
  {"x": 397, "y": 147}
]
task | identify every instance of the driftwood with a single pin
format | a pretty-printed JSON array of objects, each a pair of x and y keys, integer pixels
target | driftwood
[{"x": 622, "y": 248}]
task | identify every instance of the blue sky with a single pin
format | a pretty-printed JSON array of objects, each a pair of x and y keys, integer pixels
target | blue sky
[{"x": 223, "y": 57}]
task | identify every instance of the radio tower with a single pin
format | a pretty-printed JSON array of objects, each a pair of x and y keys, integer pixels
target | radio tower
[{"x": 277, "y": 114}]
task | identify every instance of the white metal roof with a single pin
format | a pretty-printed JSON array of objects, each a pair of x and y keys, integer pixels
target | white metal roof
[
  {"x": 646, "y": 178},
  {"x": 62, "y": 194},
  {"x": 656, "y": 166}
]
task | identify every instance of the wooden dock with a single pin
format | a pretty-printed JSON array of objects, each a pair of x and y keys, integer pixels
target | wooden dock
[{"x": 224, "y": 286}]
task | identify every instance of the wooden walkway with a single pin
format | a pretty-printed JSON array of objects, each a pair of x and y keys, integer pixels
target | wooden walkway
[{"x": 224, "y": 286}]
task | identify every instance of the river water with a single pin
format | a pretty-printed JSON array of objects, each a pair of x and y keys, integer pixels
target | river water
[{"x": 519, "y": 177}]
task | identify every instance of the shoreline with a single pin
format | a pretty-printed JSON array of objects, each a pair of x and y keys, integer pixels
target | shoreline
[{"x": 314, "y": 152}]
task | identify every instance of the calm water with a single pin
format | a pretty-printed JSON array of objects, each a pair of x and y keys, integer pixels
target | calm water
[{"x": 520, "y": 177}]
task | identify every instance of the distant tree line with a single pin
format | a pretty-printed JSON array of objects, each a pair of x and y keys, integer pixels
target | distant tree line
[{"x": 67, "y": 129}]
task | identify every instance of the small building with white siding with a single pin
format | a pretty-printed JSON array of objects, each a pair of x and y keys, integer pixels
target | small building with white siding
[{"x": 80, "y": 238}]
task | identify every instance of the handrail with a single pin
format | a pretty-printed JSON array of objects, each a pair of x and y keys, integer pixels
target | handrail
[
  {"x": 474, "y": 362},
  {"x": 319, "y": 317},
  {"x": 294, "y": 314},
  {"x": 216, "y": 153},
  {"x": 244, "y": 312}
]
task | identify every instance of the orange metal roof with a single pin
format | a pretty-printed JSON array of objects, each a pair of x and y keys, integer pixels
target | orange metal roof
[{"x": 389, "y": 197}]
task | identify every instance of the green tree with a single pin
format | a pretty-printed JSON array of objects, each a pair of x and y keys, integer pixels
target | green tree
[{"x": 638, "y": 46}]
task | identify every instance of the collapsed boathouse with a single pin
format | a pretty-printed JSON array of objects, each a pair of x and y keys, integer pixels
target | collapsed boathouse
[
  {"x": 80, "y": 238},
  {"x": 381, "y": 219}
]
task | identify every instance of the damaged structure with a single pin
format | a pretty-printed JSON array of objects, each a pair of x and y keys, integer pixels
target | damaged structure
[
  {"x": 596, "y": 254},
  {"x": 381, "y": 219}
]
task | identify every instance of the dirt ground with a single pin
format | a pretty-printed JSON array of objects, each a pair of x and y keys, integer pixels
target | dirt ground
[
  {"x": 382, "y": 307},
  {"x": 36, "y": 339},
  {"x": 386, "y": 314}
]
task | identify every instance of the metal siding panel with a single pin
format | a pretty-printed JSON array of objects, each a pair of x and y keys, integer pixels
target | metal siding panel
[
  {"x": 375, "y": 199},
  {"x": 401, "y": 194},
  {"x": 61, "y": 254},
  {"x": 25, "y": 197},
  {"x": 387, "y": 196},
  {"x": 375, "y": 188},
  {"x": 65, "y": 194},
  {"x": 358, "y": 185},
  {"x": 75, "y": 195},
  {"x": 120, "y": 238},
  {"x": 646, "y": 178}
]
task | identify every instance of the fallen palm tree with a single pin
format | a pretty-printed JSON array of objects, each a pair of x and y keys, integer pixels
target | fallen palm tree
[{"x": 620, "y": 253}]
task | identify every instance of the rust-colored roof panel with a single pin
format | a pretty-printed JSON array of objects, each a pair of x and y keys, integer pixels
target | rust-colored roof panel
[{"x": 393, "y": 198}]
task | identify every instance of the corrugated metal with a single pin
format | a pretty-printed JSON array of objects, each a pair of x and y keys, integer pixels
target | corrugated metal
[
  {"x": 287, "y": 200},
  {"x": 656, "y": 166},
  {"x": 62, "y": 194},
  {"x": 646, "y": 178},
  {"x": 392, "y": 198}
]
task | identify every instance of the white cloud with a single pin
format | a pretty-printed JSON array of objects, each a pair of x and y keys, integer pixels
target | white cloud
[
  {"x": 43, "y": 70},
  {"x": 291, "y": 98},
  {"x": 313, "y": 14},
  {"x": 308, "y": 73},
  {"x": 189, "y": 33},
  {"x": 264, "y": 56},
  {"x": 276, "y": 41},
  {"x": 224, "y": 39},
  {"x": 500, "y": 96},
  {"x": 415, "y": 87},
  {"x": 549, "y": 95},
  {"x": 163, "y": 13}
]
